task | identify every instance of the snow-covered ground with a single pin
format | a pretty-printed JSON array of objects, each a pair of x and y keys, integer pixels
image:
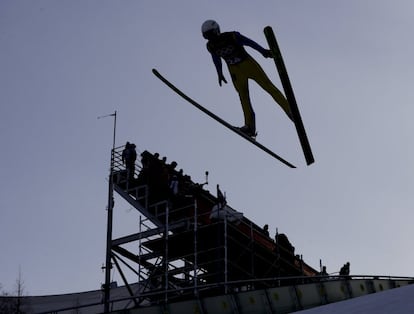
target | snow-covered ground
[{"x": 394, "y": 301}]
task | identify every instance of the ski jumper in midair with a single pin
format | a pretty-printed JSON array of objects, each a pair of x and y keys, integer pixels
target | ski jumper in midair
[{"x": 242, "y": 67}]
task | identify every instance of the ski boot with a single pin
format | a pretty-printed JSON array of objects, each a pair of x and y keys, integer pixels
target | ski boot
[{"x": 248, "y": 131}]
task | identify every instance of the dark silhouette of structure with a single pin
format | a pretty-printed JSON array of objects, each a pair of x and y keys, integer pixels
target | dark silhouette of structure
[{"x": 191, "y": 242}]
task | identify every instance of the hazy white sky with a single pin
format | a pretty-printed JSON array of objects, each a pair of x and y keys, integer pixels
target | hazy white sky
[{"x": 64, "y": 63}]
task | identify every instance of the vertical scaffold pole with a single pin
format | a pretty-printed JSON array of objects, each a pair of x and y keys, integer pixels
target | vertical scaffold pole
[
  {"x": 139, "y": 250},
  {"x": 225, "y": 252},
  {"x": 108, "y": 264},
  {"x": 195, "y": 247},
  {"x": 166, "y": 252}
]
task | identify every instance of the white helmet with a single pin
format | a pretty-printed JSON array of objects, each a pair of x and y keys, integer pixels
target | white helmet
[{"x": 210, "y": 29}]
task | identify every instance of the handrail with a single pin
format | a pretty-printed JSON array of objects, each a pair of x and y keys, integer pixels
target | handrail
[{"x": 245, "y": 284}]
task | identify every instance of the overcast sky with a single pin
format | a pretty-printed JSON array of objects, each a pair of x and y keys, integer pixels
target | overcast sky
[{"x": 64, "y": 63}]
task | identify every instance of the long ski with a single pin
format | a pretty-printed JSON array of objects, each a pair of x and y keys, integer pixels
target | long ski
[
  {"x": 290, "y": 96},
  {"x": 220, "y": 120}
]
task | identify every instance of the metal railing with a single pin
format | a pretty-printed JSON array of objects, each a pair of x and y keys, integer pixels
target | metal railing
[{"x": 241, "y": 286}]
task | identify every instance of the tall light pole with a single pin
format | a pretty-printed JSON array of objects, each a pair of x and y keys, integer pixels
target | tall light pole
[{"x": 108, "y": 264}]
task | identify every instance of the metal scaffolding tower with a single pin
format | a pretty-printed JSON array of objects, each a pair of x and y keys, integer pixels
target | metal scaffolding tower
[{"x": 188, "y": 243}]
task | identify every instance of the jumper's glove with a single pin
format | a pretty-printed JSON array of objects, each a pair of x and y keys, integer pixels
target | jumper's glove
[
  {"x": 221, "y": 79},
  {"x": 267, "y": 54}
]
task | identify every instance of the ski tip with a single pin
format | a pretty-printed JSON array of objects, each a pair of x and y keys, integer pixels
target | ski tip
[
  {"x": 158, "y": 74},
  {"x": 268, "y": 29}
]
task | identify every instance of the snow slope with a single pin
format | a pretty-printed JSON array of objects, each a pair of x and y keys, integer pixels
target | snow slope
[{"x": 395, "y": 301}]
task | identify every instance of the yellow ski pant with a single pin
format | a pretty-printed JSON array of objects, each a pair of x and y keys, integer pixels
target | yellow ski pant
[{"x": 250, "y": 69}]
